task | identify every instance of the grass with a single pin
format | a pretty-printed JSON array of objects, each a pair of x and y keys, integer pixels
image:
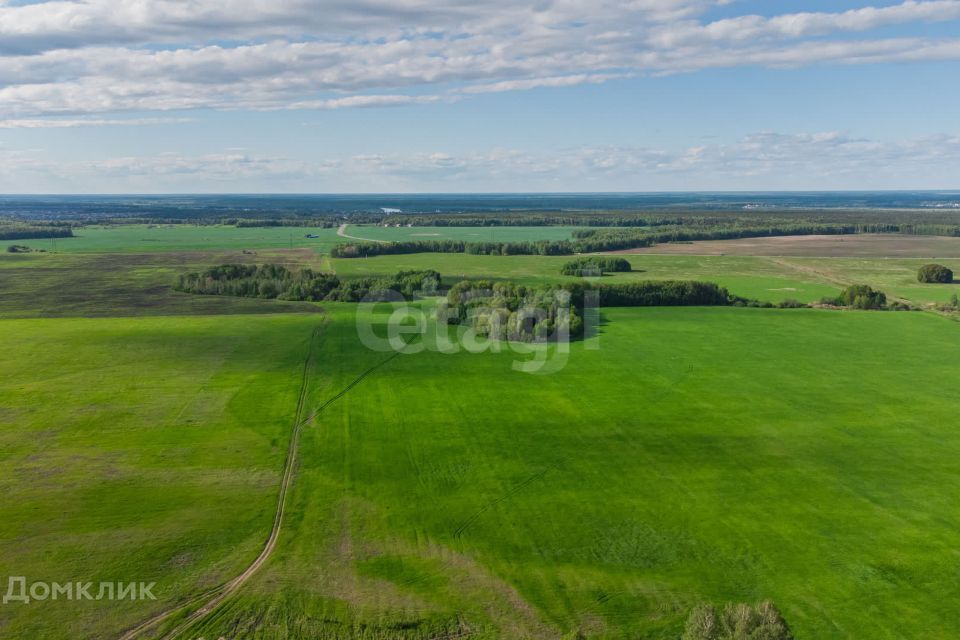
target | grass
[
  {"x": 681, "y": 456},
  {"x": 753, "y": 459},
  {"x": 128, "y": 284},
  {"x": 894, "y": 276},
  {"x": 182, "y": 237},
  {"x": 139, "y": 449},
  {"x": 750, "y": 277}
]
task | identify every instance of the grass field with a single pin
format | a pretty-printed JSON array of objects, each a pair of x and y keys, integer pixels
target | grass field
[
  {"x": 183, "y": 237},
  {"x": 128, "y": 284},
  {"x": 745, "y": 276},
  {"x": 681, "y": 456},
  {"x": 446, "y": 493},
  {"x": 139, "y": 449}
]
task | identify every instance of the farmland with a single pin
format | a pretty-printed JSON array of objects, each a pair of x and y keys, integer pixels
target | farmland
[
  {"x": 678, "y": 456},
  {"x": 141, "y": 238}
]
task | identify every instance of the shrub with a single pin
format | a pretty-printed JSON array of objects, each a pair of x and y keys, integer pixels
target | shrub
[
  {"x": 791, "y": 304},
  {"x": 858, "y": 296},
  {"x": 861, "y": 296},
  {"x": 935, "y": 273},
  {"x": 737, "y": 622}
]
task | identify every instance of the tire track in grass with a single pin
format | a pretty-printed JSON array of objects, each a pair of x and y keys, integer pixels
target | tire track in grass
[
  {"x": 230, "y": 587},
  {"x": 220, "y": 594},
  {"x": 342, "y": 232}
]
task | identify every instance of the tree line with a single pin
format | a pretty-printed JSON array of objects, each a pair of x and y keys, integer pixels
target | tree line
[
  {"x": 274, "y": 281},
  {"x": 595, "y": 266},
  {"x": 533, "y": 219},
  {"x": 369, "y": 249},
  {"x": 541, "y": 313},
  {"x": 600, "y": 240},
  {"x": 29, "y": 232}
]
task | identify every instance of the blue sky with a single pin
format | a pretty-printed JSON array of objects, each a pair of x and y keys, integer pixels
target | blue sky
[{"x": 120, "y": 96}]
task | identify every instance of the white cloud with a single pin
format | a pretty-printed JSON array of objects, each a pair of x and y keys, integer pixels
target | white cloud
[
  {"x": 63, "y": 123},
  {"x": 536, "y": 83},
  {"x": 763, "y": 160},
  {"x": 70, "y": 57}
]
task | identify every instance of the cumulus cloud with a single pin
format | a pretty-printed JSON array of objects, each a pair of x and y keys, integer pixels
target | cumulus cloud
[{"x": 73, "y": 57}]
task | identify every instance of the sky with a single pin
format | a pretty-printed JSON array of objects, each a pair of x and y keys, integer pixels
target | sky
[{"x": 359, "y": 96}]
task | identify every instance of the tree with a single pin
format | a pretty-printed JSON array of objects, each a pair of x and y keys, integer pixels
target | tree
[
  {"x": 861, "y": 296},
  {"x": 737, "y": 622},
  {"x": 935, "y": 273}
]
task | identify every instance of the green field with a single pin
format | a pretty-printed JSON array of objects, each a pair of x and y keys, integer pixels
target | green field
[
  {"x": 679, "y": 456},
  {"x": 757, "y": 278},
  {"x": 536, "y": 506},
  {"x": 185, "y": 237},
  {"x": 467, "y": 234},
  {"x": 144, "y": 449}
]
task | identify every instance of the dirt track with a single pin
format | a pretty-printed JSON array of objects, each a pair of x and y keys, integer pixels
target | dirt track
[
  {"x": 223, "y": 592},
  {"x": 218, "y": 595},
  {"x": 342, "y": 232}
]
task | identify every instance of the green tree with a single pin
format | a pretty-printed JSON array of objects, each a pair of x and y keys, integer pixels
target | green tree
[
  {"x": 861, "y": 296},
  {"x": 935, "y": 273}
]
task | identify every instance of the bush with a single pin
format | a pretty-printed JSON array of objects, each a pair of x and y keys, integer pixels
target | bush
[
  {"x": 861, "y": 296},
  {"x": 791, "y": 304},
  {"x": 935, "y": 274},
  {"x": 858, "y": 296},
  {"x": 737, "y": 622}
]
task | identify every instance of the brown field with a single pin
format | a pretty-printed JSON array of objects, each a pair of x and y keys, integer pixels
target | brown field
[{"x": 850, "y": 246}]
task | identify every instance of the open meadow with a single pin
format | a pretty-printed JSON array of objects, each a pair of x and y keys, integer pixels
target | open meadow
[
  {"x": 154, "y": 238},
  {"x": 677, "y": 456}
]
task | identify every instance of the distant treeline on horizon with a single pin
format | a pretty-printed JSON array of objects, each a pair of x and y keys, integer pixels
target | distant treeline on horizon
[{"x": 375, "y": 207}]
